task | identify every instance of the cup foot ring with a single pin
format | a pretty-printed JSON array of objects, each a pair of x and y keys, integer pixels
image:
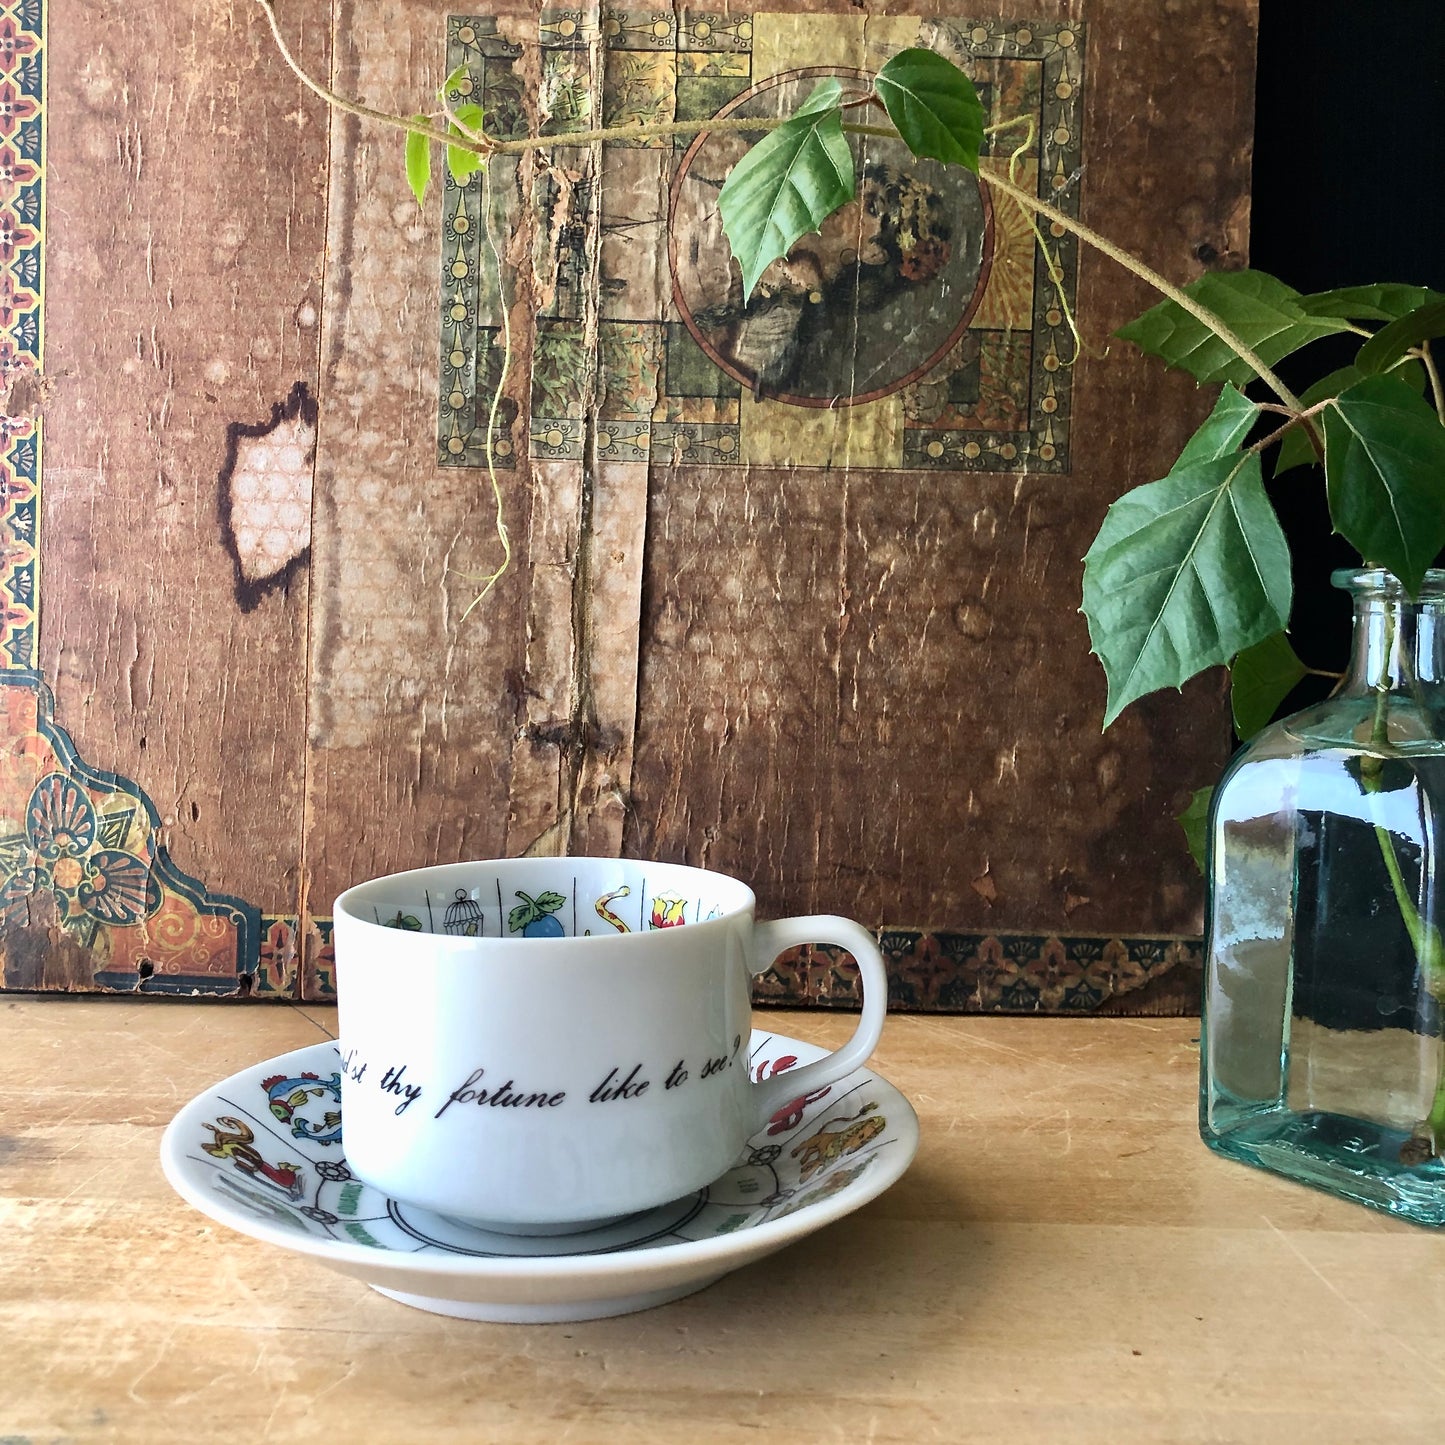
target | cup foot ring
[
  {"x": 551, "y": 1312},
  {"x": 537, "y": 1231}
]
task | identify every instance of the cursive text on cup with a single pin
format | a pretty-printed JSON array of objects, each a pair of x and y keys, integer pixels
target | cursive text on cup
[{"x": 503, "y": 1096}]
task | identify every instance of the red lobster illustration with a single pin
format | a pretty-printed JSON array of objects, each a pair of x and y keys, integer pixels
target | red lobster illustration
[{"x": 791, "y": 1114}]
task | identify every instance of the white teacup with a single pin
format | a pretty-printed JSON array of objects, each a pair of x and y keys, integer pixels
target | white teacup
[{"x": 544, "y": 1044}]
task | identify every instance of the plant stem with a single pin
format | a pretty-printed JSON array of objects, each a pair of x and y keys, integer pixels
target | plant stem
[
  {"x": 493, "y": 411},
  {"x": 1425, "y": 938},
  {"x": 1435, "y": 1121},
  {"x": 486, "y": 146},
  {"x": 365, "y": 112},
  {"x": 1433, "y": 372},
  {"x": 1201, "y": 314},
  {"x": 727, "y": 124},
  {"x": 1300, "y": 418}
]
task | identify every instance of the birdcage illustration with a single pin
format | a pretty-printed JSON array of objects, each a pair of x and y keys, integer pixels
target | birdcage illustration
[{"x": 463, "y": 916}]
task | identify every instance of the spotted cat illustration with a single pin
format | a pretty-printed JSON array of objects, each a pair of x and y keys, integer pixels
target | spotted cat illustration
[{"x": 831, "y": 1143}]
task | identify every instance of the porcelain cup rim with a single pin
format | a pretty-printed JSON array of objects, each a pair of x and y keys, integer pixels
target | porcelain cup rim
[{"x": 741, "y": 903}]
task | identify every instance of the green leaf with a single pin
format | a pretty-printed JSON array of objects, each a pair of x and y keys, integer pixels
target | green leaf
[
  {"x": 1295, "y": 449},
  {"x": 464, "y": 164},
  {"x": 453, "y": 81},
  {"x": 1385, "y": 476},
  {"x": 1382, "y": 302},
  {"x": 788, "y": 184},
  {"x": 418, "y": 161},
  {"x": 1195, "y": 822},
  {"x": 934, "y": 106},
  {"x": 1393, "y": 341},
  {"x": 1184, "y": 574},
  {"x": 1219, "y": 436},
  {"x": 1264, "y": 313},
  {"x": 1224, "y": 430},
  {"x": 1260, "y": 678}
]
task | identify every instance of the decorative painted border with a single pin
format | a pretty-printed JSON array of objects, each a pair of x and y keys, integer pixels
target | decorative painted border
[
  {"x": 83, "y": 871},
  {"x": 1016, "y": 973},
  {"x": 81, "y": 856},
  {"x": 658, "y": 65},
  {"x": 22, "y": 283}
]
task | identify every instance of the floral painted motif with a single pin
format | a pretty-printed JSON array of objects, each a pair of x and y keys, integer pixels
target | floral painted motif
[
  {"x": 667, "y": 910},
  {"x": 69, "y": 848},
  {"x": 947, "y": 972},
  {"x": 15, "y": 41},
  {"x": 84, "y": 838},
  {"x": 15, "y": 109}
]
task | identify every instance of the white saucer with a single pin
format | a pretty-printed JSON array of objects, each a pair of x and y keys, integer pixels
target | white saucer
[{"x": 261, "y": 1152}]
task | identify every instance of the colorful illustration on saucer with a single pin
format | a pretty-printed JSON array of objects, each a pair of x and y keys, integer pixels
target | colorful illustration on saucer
[
  {"x": 234, "y": 1141},
  {"x": 309, "y": 1104},
  {"x": 271, "y": 1148}
]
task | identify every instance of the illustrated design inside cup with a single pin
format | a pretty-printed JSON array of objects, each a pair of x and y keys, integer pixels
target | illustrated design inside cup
[{"x": 545, "y": 1044}]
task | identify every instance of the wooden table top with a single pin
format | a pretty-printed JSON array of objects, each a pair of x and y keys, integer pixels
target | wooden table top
[{"x": 1064, "y": 1262}]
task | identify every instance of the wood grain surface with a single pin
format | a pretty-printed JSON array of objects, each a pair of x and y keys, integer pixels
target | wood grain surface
[{"x": 1064, "y": 1262}]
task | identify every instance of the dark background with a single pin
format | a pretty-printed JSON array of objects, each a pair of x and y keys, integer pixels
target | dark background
[{"x": 1349, "y": 188}]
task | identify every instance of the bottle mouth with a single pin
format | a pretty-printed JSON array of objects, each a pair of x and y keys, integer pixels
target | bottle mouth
[{"x": 1377, "y": 582}]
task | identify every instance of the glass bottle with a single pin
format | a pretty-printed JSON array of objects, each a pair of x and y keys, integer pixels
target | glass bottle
[{"x": 1322, "y": 1050}]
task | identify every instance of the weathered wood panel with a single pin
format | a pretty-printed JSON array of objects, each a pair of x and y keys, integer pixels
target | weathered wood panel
[
  {"x": 438, "y": 728},
  {"x": 186, "y": 231},
  {"x": 832, "y": 647},
  {"x": 902, "y": 721}
]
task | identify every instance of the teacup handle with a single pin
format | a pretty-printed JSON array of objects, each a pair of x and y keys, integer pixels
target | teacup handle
[{"x": 775, "y": 936}]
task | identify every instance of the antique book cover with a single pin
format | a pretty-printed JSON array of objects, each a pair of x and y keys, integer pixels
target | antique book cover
[{"x": 791, "y": 581}]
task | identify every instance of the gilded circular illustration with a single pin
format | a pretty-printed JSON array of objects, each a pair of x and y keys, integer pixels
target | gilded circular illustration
[{"x": 855, "y": 311}]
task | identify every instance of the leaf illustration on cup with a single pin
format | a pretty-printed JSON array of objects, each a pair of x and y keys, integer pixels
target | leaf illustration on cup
[{"x": 537, "y": 917}]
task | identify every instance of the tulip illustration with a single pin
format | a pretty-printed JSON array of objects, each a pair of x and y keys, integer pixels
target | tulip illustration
[{"x": 667, "y": 910}]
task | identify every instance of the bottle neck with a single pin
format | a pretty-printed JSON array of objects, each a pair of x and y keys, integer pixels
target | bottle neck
[{"x": 1398, "y": 644}]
